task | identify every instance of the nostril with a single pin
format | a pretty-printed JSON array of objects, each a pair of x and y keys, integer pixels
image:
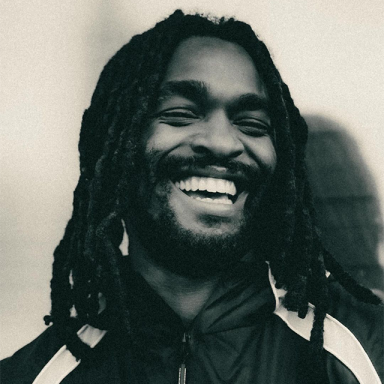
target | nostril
[{"x": 224, "y": 145}]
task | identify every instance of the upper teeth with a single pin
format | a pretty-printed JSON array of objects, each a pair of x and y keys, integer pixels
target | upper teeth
[{"x": 209, "y": 184}]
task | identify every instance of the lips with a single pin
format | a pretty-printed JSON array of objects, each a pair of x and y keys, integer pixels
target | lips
[
  {"x": 208, "y": 189},
  {"x": 223, "y": 184}
]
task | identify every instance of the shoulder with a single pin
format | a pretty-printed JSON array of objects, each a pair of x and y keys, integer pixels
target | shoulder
[
  {"x": 365, "y": 321},
  {"x": 359, "y": 326},
  {"x": 24, "y": 365}
]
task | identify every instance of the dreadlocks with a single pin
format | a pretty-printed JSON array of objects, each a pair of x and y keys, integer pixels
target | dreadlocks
[{"x": 86, "y": 262}]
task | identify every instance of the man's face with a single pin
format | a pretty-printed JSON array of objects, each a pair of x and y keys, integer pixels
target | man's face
[{"x": 207, "y": 152}]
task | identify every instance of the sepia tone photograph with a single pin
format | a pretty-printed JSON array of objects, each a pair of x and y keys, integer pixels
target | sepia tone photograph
[{"x": 192, "y": 192}]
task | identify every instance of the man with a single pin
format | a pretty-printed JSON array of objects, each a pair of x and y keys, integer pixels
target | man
[{"x": 194, "y": 147}]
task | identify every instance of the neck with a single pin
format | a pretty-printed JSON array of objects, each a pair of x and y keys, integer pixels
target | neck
[{"x": 185, "y": 295}]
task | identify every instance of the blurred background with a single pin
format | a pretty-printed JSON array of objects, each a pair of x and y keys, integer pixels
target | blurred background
[{"x": 51, "y": 56}]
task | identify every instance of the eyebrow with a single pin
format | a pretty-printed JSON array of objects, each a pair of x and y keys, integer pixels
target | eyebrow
[
  {"x": 198, "y": 92},
  {"x": 250, "y": 102},
  {"x": 194, "y": 90}
]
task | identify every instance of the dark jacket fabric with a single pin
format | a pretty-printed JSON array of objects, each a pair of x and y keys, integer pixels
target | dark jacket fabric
[{"x": 235, "y": 339}]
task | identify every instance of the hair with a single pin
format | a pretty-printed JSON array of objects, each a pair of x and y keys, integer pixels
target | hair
[{"x": 86, "y": 262}]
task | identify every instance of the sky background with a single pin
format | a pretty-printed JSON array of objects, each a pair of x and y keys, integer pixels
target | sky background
[{"x": 329, "y": 53}]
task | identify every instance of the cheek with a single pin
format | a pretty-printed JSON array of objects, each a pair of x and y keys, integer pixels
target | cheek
[
  {"x": 162, "y": 137},
  {"x": 158, "y": 199},
  {"x": 262, "y": 151}
]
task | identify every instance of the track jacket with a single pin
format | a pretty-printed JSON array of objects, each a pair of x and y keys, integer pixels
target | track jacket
[{"x": 242, "y": 335}]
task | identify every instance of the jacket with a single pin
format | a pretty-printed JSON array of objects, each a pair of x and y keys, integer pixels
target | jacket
[{"x": 242, "y": 335}]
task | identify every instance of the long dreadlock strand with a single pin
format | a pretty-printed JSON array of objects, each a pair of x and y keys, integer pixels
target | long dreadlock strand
[
  {"x": 348, "y": 282},
  {"x": 114, "y": 281}
]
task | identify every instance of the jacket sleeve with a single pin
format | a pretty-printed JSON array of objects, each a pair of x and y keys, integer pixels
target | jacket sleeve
[{"x": 23, "y": 366}]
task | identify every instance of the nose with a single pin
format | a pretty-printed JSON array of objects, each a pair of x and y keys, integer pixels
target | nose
[{"x": 217, "y": 137}]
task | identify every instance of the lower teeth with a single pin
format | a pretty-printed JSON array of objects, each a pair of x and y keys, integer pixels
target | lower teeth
[{"x": 215, "y": 201}]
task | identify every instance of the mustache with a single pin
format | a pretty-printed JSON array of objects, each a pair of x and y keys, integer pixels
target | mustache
[{"x": 162, "y": 168}]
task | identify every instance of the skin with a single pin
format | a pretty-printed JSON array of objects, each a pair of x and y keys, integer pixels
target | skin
[{"x": 214, "y": 125}]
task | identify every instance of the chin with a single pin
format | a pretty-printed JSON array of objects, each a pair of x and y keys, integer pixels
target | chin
[{"x": 204, "y": 249}]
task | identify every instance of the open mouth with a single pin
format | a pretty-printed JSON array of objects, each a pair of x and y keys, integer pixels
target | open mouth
[{"x": 209, "y": 189}]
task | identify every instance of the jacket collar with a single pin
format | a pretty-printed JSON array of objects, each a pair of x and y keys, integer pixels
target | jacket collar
[{"x": 242, "y": 296}]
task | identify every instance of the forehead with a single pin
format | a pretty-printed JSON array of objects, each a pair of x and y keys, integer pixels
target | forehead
[{"x": 215, "y": 61}]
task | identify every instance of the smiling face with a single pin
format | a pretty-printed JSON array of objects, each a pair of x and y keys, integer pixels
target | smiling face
[{"x": 208, "y": 154}]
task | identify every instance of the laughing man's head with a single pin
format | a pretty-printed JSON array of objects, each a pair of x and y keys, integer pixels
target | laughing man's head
[{"x": 193, "y": 140}]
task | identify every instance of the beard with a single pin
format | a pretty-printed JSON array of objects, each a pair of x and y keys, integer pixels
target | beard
[{"x": 182, "y": 251}]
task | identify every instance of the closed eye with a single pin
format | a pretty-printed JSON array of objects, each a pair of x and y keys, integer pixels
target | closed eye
[
  {"x": 252, "y": 126},
  {"x": 177, "y": 117}
]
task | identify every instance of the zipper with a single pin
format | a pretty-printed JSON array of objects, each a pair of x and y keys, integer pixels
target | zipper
[{"x": 184, "y": 357}]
